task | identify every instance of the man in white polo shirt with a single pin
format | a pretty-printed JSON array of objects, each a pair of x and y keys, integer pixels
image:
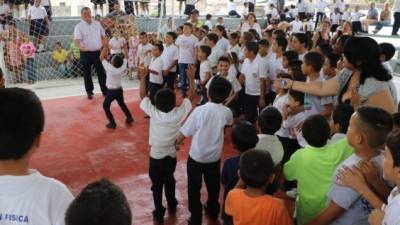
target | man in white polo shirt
[{"x": 89, "y": 35}]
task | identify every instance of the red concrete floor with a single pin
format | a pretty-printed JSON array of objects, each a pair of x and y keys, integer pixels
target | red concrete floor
[{"x": 77, "y": 149}]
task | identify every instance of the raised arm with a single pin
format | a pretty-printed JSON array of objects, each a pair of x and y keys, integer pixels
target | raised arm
[
  {"x": 143, "y": 72},
  {"x": 318, "y": 88}
]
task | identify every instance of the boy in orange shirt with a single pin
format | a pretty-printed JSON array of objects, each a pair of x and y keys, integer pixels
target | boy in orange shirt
[{"x": 251, "y": 205}]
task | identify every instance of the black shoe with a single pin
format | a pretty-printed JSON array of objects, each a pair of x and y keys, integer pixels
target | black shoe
[
  {"x": 212, "y": 215},
  {"x": 192, "y": 221},
  {"x": 129, "y": 121},
  {"x": 111, "y": 126},
  {"x": 172, "y": 207},
  {"x": 158, "y": 217},
  {"x": 90, "y": 96}
]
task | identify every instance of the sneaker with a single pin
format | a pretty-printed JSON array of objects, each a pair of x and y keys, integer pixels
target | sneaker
[
  {"x": 111, "y": 126},
  {"x": 90, "y": 96},
  {"x": 212, "y": 215},
  {"x": 158, "y": 217},
  {"x": 41, "y": 48},
  {"x": 192, "y": 221},
  {"x": 129, "y": 121},
  {"x": 292, "y": 193},
  {"x": 172, "y": 207}
]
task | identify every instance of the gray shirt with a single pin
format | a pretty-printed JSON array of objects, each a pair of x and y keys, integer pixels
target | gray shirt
[
  {"x": 89, "y": 35},
  {"x": 372, "y": 14},
  {"x": 370, "y": 87}
]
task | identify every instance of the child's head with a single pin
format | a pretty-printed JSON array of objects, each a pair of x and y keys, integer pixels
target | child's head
[
  {"x": 338, "y": 48},
  {"x": 340, "y": 118},
  {"x": 203, "y": 53},
  {"x": 116, "y": 33},
  {"x": 255, "y": 34},
  {"x": 336, "y": 10},
  {"x": 117, "y": 61},
  {"x": 37, "y": 3},
  {"x": 330, "y": 65},
  {"x": 277, "y": 86},
  {"x": 368, "y": 128},
  {"x": 211, "y": 39},
  {"x": 316, "y": 131},
  {"x": 208, "y": 17},
  {"x": 325, "y": 49},
  {"x": 387, "y": 51},
  {"x": 270, "y": 120},
  {"x": 246, "y": 37},
  {"x": 143, "y": 38},
  {"x": 187, "y": 29},
  {"x": 313, "y": 62},
  {"x": 100, "y": 203},
  {"x": 263, "y": 47},
  {"x": 201, "y": 33},
  {"x": 220, "y": 31},
  {"x": 220, "y": 20},
  {"x": 250, "y": 49},
  {"x": 223, "y": 65},
  {"x": 289, "y": 56},
  {"x": 157, "y": 50},
  {"x": 170, "y": 38},
  {"x": 300, "y": 42},
  {"x": 21, "y": 123},
  {"x": 396, "y": 120},
  {"x": 165, "y": 100},
  {"x": 295, "y": 101},
  {"x": 357, "y": 8},
  {"x": 256, "y": 168},
  {"x": 244, "y": 136},
  {"x": 219, "y": 90},
  {"x": 279, "y": 45},
  {"x": 391, "y": 162},
  {"x": 179, "y": 30},
  {"x": 234, "y": 38},
  {"x": 58, "y": 46},
  {"x": 278, "y": 33},
  {"x": 97, "y": 18}
]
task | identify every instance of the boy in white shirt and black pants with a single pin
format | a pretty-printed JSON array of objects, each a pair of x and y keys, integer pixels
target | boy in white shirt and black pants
[
  {"x": 170, "y": 56},
  {"x": 114, "y": 70},
  {"x": 206, "y": 124},
  {"x": 156, "y": 67},
  {"x": 165, "y": 122}
]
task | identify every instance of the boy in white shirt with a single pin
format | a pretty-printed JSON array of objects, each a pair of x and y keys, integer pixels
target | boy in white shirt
[
  {"x": 296, "y": 25},
  {"x": 356, "y": 19},
  {"x": 234, "y": 44},
  {"x": 26, "y": 196},
  {"x": 206, "y": 124},
  {"x": 208, "y": 22},
  {"x": 216, "y": 52},
  {"x": 155, "y": 70},
  {"x": 114, "y": 71},
  {"x": 144, "y": 50},
  {"x": 205, "y": 70},
  {"x": 253, "y": 76},
  {"x": 335, "y": 20},
  {"x": 38, "y": 24},
  {"x": 186, "y": 43},
  {"x": 346, "y": 14},
  {"x": 321, "y": 6},
  {"x": 275, "y": 66},
  {"x": 170, "y": 57},
  {"x": 165, "y": 122},
  {"x": 117, "y": 43}
]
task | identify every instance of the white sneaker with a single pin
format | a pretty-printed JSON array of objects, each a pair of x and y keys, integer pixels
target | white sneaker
[
  {"x": 292, "y": 193},
  {"x": 41, "y": 48}
]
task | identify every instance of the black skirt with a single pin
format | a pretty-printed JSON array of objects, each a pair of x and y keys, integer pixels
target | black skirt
[{"x": 38, "y": 28}]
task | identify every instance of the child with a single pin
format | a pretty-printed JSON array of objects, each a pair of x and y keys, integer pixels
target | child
[
  {"x": 75, "y": 56},
  {"x": 356, "y": 20},
  {"x": 15, "y": 57},
  {"x": 117, "y": 43},
  {"x": 275, "y": 65},
  {"x": 244, "y": 137},
  {"x": 223, "y": 42},
  {"x": 282, "y": 94},
  {"x": 265, "y": 57},
  {"x": 186, "y": 43},
  {"x": 253, "y": 76},
  {"x": 114, "y": 71},
  {"x": 335, "y": 20},
  {"x": 346, "y": 14},
  {"x": 330, "y": 69},
  {"x": 165, "y": 121},
  {"x": 156, "y": 67},
  {"x": 205, "y": 70},
  {"x": 60, "y": 58},
  {"x": 206, "y": 124},
  {"x": 311, "y": 67},
  {"x": 144, "y": 50},
  {"x": 387, "y": 51},
  {"x": 21, "y": 127},
  {"x": 270, "y": 121},
  {"x": 232, "y": 9},
  {"x": 340, "y": 122},
  {"x": 367, "y": 133},
  {"x": 251, "y": 205},
  {"x": 208, "y": 22},
  {"x": 288, "y": 57},
  {"x": 133, "y": 43},
  {"x": 216, "y": 53},
  {"x": 296, "y": 25},
  {"x": 99, "y": 201},
  {"x": 170, "y": 57},
  {"x": 300, "y": 44},
  {"x": 27, "y": 49},
  {"x": 38, "y": 24},
  {"x": 234, "y": 44}
]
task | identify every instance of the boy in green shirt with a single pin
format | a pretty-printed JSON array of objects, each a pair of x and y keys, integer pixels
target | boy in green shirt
[
  {"x": 75, "y": 55},
  {"x": 313, "y": 167}
]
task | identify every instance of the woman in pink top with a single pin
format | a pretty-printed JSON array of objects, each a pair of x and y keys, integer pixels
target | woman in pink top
[{"x": 28, "y": 50}]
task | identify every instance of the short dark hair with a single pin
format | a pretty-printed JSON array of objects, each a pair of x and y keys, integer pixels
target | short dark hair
[
  {"x": 206, "y": 50},
  {"x": 21, "y": 122},
  {"x": 316, "y": 131},
  {"x": 117, "y": 61},
  {"x": 188, "y": 25},
  {"x": 387, "y": 49},
  {"x": 333, "y": 59},
  {"x": 279, "y": 33},
  {"x": 303, "y": 39},
  {"x": 172, "y": 34},
  {"x": 213, "y": 37},
  {"x": 219, "y": 90},
  {"x": 224, "y": 59},
  {"x": 297, "y": 96},
  {"x": 255, "y": 34},
  {"x": 244, "y": 136},
  {"x": 325, "y": 48},
  {"x": 376, "y": 124},
  {"x": 99, "y": 203},
  {"x": 256, "y": 168},
  {"x": 282, "y": 42},
  {"x": 208, "y": 16},
  {"x": 264, "y": 42},
  {"x": 252, "y": 47},
  {"x": 291, "y": 55},
  {"x": 247, "y": 36},
  {"x": 159, "y": 46},
  {"x": 295, "y": 63},
  {"x": 270, "y": 120},
  {"x": 84, "y": 9},
  {"x": 143, "y": 34},
  {"x": 165, "y": 100},
  {"x": 341, "y": 115},
  {"x": 393, "y": 144},
  {"x": 315, "y": 60},
  {"x": 234, "y": 35},
  {"x": 396, "y": 119}
]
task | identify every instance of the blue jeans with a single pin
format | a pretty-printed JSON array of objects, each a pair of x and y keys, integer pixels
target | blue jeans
[
  {"x": 31, "y": 69},
  {"x": 62, "y": 69},
  {"x": 381, "y": 24},
  {"x": 183, "y": 77}
]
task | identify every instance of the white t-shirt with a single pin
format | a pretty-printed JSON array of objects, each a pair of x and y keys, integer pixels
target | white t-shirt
[
  {"x": 144, "y": 53},
  {"x": 204, "y": 69},
  {"x": 296, "y": 26},
  {"x": 321, "y": 5},
  {"x": 302, "y": 6},
  {"x": 213, "y": 58},
  {"x": 310, "y": 7},
  {"x": 191, "y": 2},
  {"x": 280, "y": 102},
  {"x": 253, "y": 72},
  {"x": 206, "y": 124},
  {"x": 341, "y": 6},
  {"x": 89, "y": 35},
  {"x": 346, "y": 16},
  {"x": 156, "y": 65},
  {"x": 209, "y": 24},
  {"x": 236, "y": 49},
  {"x": 4, "y": 9},
  {"x": 236, "y": 86},
  {"x": 117, "y": 44},
  {"x": 356, "y": 16},
  {"x": 392, "y": 209},
  {"x": 271, "y": 144},
  {"x": 164, "y": 127},
  {"x": 223, "y": 44},
  {"x": 36, "y": 13},
  {"x": 169, "y": 56},
  {"x": 335, "y": 19},
  {"x": 114, "y": 75},
  {"x": 186, "y": 45},
  {"x": 275, "y": 67},
  {"x": 291, "y": 123},
  {"x": 45, "y": 3},
  {"x": 316, "y": 104},
  {"x": 246, "y": 27},
  {"x": 32, "y": 200},
  {"x": 231, "y": 6}
]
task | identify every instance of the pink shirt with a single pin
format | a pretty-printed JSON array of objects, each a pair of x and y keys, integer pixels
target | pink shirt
[{"x": 28, "y": 50}]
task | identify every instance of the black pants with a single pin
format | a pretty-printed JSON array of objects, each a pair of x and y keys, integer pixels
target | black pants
[
  {"x": 251, "y": 7},
  {"x": 129, "y": 7},
  {"x": 334, "y": 27},
  {"x": 111, "y": 4},
  {"x": 161, "y": 173},
  {"x": 396, "y": 23},
  {"x": 153, "y": 88},
  {"x": 89, "y": 59},
  {"x": 118, "y": 95},
  {"x": 356, "y": 26},
  {"x": 302, "y": 16},
  {"x": 169, "y": 80},
  {"x": 320, "y": 17},
  {"x": 211, "y": 173},
  {"x": 270, "y": 98},
  {"x": 234, "y": 13},
  {"x": 250, "y": 107},
  {"x": 163, "y": 8}
]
